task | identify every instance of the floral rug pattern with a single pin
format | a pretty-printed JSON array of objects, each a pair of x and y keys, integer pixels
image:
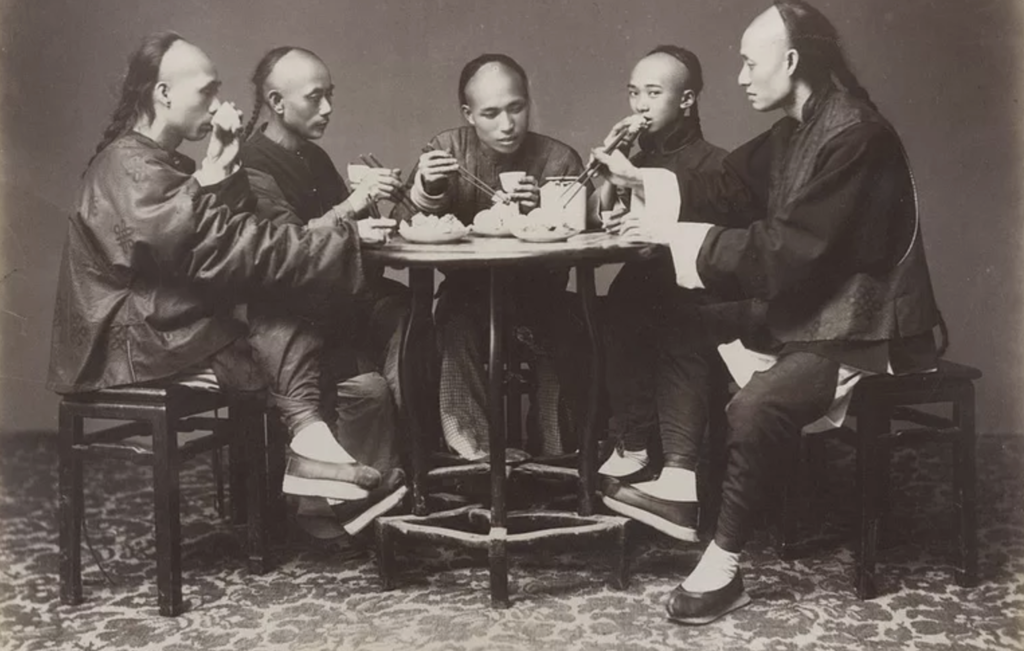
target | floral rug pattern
[{"x": 328, "y": 597}]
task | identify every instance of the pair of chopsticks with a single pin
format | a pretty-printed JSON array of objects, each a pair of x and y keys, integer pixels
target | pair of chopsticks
[
  {"x": 371, "y": 161},
  {"x": 475, "y": 181},
  {"x": 625, "y": 138}
]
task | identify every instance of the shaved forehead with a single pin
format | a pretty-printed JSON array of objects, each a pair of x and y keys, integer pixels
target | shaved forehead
[
  {"x": 662, "y": 69},
  {"x": 182, "y": 60},
  {"x": 766, "y": 31},
  {"x": 491, "y": 76},
  {"x": 296, "y": 70}
]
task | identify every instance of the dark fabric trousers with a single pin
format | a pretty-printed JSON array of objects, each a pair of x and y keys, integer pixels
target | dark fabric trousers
[
  {"x": 763, "y": 419},
  {"x": 660, "y": 354},
  {"x": 300, "y": 362},
  {"x": 281, "y": 356},
  {"x": 366, "y": 338}
]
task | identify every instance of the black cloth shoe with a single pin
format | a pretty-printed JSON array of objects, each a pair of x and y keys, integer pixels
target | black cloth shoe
[
  {"x": 696, "y": 608},
  {"x": 357, "y": 514},
  {"x": 315, "y": 478},
  {"x": 676, "y": 519}
]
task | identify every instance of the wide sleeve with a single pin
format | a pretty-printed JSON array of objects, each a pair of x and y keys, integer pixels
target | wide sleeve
[
  {"x": 733, "y": 193},
  {"x": 171, "y": 228},
  {"x": 270, "y": 202},
  {"x": 813, "y": 239}
]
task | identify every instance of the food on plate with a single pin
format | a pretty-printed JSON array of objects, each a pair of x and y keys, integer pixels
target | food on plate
[
  {"x": 543, "y": 225},
  {"x": 436, "y": 223},
  {"x": 433, "y": 228},
  {"x": 496, "y": 220}
]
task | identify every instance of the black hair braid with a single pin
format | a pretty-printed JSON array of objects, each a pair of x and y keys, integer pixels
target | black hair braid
[
  {"x": 849, "y": 81},
  {"x": 257, "y": 108},
  {"x": 821, "y": 56},
  {"x": 259, "y": 80},
  {"x": 136, "y": 99}
]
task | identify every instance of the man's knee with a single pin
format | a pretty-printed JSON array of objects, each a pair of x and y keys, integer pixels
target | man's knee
[{"x": 747, "y": 413}]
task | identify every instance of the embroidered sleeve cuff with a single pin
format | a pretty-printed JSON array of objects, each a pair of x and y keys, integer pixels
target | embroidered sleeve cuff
[
  {"x": 660, "y": 200},
  {"x": 425, "y": 202},
  {"x": 684, "y": 240}
]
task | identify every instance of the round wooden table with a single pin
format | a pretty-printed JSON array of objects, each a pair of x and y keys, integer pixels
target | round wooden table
[{"x": 585, "y": 252}]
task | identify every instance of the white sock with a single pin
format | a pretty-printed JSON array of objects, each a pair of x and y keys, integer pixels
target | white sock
[
  {"x": 620, "y": 465},
  {"x": 317, "y": 441},
  {"x": 714, "y": 570},
  {"x": 675, "y": 484}
]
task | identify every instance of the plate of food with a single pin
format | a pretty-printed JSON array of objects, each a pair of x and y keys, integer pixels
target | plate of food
[
  {"x": 542, "y": 225},
  {"x": 433, "y": 229},
  {"x": 494, "y": 221}
]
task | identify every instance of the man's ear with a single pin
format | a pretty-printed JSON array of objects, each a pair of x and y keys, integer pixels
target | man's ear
[
  {"x": 468, "y": 114},
  {"x": 275, "y": 100},
  {"x": 162, "y": 94},
  {"x": 688, "y": 99},
  {"x": 792, "y": 61}
]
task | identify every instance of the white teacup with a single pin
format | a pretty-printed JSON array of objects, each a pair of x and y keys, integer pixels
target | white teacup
[
  {"x": 357, "y": 172},
  {"x": 509, "y": 180}
]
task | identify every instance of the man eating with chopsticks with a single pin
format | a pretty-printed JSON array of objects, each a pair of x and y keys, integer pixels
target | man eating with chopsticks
[
  {"x": 459, "y": 175},
  {"x": 296, "y": 183},
  {"x": 658, "y": 372}
]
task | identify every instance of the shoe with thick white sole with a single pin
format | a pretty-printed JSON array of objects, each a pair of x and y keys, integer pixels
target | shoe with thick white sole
[
  {"x": 676, "y": 519},
  {"x": 340, "y": 481}
]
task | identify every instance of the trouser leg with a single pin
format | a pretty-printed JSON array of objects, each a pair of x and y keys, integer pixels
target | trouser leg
[
  {"x": 463, "y": 396},
  {"x": 366, "y": 421},
  {"x": 381, "y": 344},
  {"x": 683, "y": 383},
  {"x": 635, "y": 307},
  {"x": 763, "y": 418},
  {"x": 288, "y": 352}
]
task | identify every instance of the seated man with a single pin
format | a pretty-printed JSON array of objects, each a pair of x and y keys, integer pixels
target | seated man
[
  {"x": 295, "y": 182},
  {"x": 656, "y": 377},
  {"x": 158, "y": 254},
  {"x": 495, "y": 97},
  {"x": 836, "y": 257}
]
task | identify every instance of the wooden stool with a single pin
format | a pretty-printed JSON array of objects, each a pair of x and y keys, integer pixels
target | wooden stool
[
  {"x": 877, "y": 402},
  {"x": 161, "y": 411}
]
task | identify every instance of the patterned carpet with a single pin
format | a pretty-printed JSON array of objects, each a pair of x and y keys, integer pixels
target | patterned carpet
[{"x": 328, "y": 598}]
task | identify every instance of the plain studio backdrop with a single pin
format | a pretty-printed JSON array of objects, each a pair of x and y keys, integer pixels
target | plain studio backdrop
[{"x": 947, "y": 74}]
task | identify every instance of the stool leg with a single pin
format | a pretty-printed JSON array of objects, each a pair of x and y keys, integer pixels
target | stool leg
[
  {"x": 249, "y": 419},
  {"x": 71, "y": 507},
  {"x": 965, "y": 479},
  {"x": 277, "y": 451},
  {"x": 790, "y": 515},
  {"x": 237, "y": 474},
  {"x": 167, "y": 500},
  {"x": 869, "y": 424},
  {"x": 218, "y": 479},
  {"x": 622, "y": 540},
  {"x": 385, "y": 555}
]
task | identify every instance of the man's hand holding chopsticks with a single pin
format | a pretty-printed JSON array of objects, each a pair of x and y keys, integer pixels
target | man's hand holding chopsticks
[
  {"x": 377, "y": 184},
  {"x": 616, "y": 169},
  {"x": 436, "y": 167}
]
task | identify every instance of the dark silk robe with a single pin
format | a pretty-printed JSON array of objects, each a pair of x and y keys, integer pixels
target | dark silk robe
[{"x": 153, "y": 266}]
